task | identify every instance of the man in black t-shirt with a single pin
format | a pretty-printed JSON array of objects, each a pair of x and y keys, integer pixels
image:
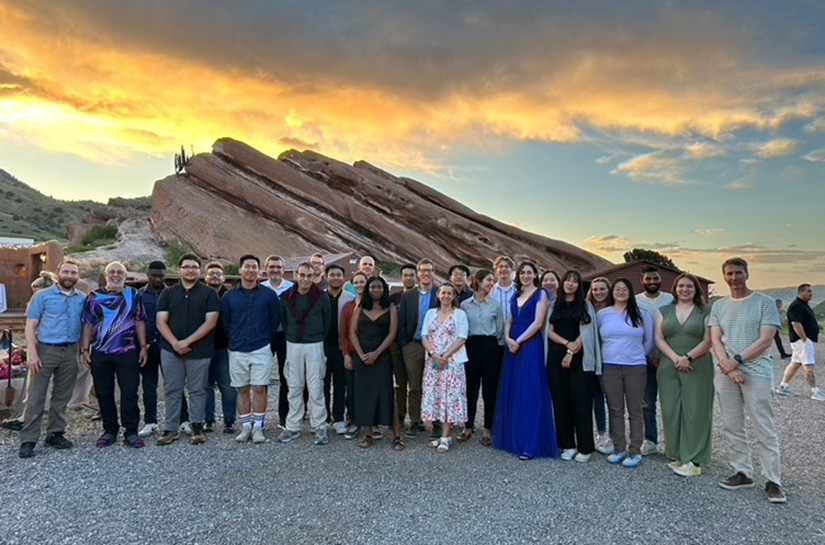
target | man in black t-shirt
[{"x": 803, "y": 331}]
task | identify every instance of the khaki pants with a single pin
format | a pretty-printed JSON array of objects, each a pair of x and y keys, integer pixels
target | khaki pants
[
  {"x": 413, "y": 354},
  {"x": 305, "y": 366},
  {"x": 755, "y": 397},
  {"x": 624, "y": 385},
  {"x": 59, "y": 362}
]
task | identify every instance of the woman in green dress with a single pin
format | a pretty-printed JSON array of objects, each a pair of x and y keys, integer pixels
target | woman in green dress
[{"x": 685, "y": 377}]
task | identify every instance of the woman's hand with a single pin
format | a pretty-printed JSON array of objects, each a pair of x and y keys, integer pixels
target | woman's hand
[
  {"x": 348, "y": 363},
  {"x": 513, "y": 345},
  {"x": 575, "y": 346},
  {"x": 566, "y": 361}
]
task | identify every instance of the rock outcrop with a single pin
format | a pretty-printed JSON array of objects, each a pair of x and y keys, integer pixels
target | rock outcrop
[{"x": 237, "y": 200}]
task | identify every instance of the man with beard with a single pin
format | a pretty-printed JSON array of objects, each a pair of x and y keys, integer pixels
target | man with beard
[
  {"x": 803, "y": 330},
  {"x": 250, "y": 315},
  {"x": 651, "y": 299},
  {"x": 187, "y": 314},
  {"x": 53, "y": 330},
  {"x": 307, "y": 319},
  {"x": 219, "y": 366},
  {"x": 317, "y": 262}
]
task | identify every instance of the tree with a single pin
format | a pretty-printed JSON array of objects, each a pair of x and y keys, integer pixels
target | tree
[{"x": 638, "y": 254}]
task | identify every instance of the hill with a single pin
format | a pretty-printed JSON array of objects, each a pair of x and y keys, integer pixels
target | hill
[{"x": 789, "y": 294}]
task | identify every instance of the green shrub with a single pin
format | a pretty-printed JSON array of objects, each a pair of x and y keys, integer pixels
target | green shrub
[
  {"x": 174, "y": 251},
  {"x": 100, "y": 235}
]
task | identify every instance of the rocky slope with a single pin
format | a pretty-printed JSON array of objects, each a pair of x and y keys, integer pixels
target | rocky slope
[{"x": 237, "y": 200}]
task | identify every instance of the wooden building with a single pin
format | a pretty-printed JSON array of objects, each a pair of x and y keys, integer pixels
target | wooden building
[{"x": 633, "y": 272}]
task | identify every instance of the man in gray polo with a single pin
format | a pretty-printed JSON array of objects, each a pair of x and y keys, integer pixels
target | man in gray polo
[{"x": 52, "y": 332}]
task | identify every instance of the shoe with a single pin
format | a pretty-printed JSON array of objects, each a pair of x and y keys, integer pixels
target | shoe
[
  {"x": 737, "y": 481},
  {"x": 775, "y": 493},
  {"x": 413, "y": 431},
  {"x": 245, "y": 435},
  {"x": 818, "y": 395},
  {"x": 340, "y": 428},
  {"x": 633, "y": 461},
  {"x": 465, "y": 435},
  {"x": 604, "y": 444},
  {"x": 525, "y": 457},
  {"x": 258, "y": 435},
  {"x": 433, "y": 443},
  {"x": 57, "y": 441},
  {"x": 106, "y": 440},
  {"x": 785, "y": 356},
  {"x": 352, "y": 432},
  {"x": 209, "y": 426},
  {"x": 366, "y": 442},
  {"x": 785, "y": 390},
  {"x": 648, "y": 448},
  {"x": 582, "y": 458},
  {"x": 133, "y": 441},
  {"x": 675, "y": 464},
  {"x": 436, "y": 432},
  {"x": 322, "y": 436},
  {"x": 688, "y": 469},
  {"x": 616, "y": 457},
  {"x": 198, "y": 434},
  {"x": 287, "y": 436},
  {"x": 12, "y": 424},
  {"x": 568, "y": 454},
  {"x": 229, "y": 427},
  {"x": 26, "y": 449},
  {"x": 148, "y": 430},
  {"x": 377, "y": 434},
  {"x": 186, "y": 428},
  {"x": 398, "y": 444},
  {"x": 167, "y": 438},
  {"x": 444, "y": 444}
]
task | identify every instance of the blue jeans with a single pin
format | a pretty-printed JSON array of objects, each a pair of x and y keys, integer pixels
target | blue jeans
[
  {"x": 219, "y": 376},
  {"x": 651, "y": 393}
]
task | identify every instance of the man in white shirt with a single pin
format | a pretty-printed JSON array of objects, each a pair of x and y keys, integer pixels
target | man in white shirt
[{"x": 274, "y": 266}]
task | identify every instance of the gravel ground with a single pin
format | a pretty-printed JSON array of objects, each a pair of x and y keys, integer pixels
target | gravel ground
[{"x": 223, "y": 492}]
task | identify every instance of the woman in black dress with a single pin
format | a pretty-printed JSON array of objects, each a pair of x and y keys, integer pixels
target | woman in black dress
[{"x": 372, "y": 329}]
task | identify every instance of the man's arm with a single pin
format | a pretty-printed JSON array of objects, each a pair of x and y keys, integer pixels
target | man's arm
[
  {"x": 800, "y": 331},
  {"x": 140, "y": 329},
  {"x": 85, "y": 341},
  {"x": 33, "y": 359},
  {"x": 208, "y": 325},
  {"x": 761, "y": 344}
]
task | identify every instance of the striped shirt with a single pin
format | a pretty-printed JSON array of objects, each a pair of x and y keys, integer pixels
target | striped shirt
[{"x": 740, "y": 321}]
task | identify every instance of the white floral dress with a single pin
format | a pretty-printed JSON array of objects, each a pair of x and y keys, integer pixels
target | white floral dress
[{"x": 445, "y": 391}]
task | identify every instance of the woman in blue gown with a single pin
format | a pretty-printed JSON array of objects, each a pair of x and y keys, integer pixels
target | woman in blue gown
[{"x": 524, "y": 410}]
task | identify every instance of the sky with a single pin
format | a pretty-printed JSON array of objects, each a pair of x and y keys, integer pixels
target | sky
[{"x": 696, "y": 129}]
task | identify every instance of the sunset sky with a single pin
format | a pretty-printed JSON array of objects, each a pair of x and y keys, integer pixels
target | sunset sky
[{"x": 693, "y": 128}]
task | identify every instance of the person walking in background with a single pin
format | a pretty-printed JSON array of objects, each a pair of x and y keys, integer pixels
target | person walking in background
[
  {"x": 52, "y": 333},
  {"x": 219, "y": 365},
  {"x": 650, "y": 300},
  {"x": 742, "y": 327},
  {"x": 599, "y": 296},
  {"x": 485, "y": 322},
  {"x": 627, "y": 337},
  {"x": 574, "y": 360},
  {"x": 114, "y": 345},
  {"x": 803, "y": 330},
  {"x": 443, "y": 336},
  {"x": 523, "y": 423},
  {"x": 685, "y": 377},
  {"x": 778, "y": 338}
]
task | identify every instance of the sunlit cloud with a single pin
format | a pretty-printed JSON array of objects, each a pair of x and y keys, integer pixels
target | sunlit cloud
[
  {"x": 815, "y": 156},
  {"x": 711, "y": 232},
  {"x": 775, "y": 148}
]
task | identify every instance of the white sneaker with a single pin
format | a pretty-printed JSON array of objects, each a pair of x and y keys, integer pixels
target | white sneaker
[
  {"x": 244, "y": 436},
  {"x": 148, "y": 430},
  {"x": 674, "y": 464},
  {"x": 648, "y": 448},
  {"x": 688, "y": 470},
  {"x": 604, "y": 444},
  {"x": 258, "y": 435},
  {"x": 785, "y": 390},
  {"x": 186, "y": 427},
  {"x": 818, "y": 395},
  {"x": 377, "y": 433},
  {"x": 582, "y": 458},
  {"x": 340, "y": 428},
  {"x": 568, "y": 454}
]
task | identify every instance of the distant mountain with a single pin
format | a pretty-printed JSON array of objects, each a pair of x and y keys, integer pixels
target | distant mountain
[
  {"x": 28, "y": 213},
  {"x": 789, "y": 294}
]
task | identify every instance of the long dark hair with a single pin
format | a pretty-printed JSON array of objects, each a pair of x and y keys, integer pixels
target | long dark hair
[
  {"x": 479, "y": 277},
  {"x": 366, "y": 299},
  {"x": 698, "y": 297},
  {"x": 521, "y": 267},
  {"x": 578, "y": 307},
  {"x": 634, "y": 315}
]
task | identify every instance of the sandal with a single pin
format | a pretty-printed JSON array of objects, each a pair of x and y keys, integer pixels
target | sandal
[
  {"x": 366, "y": 442},
  {"x": 465, "y": 435},
  {"x": 397, "y": 444},
  {"x": 486, "y": 441},
  {"x": 133, "y": 441},
  {"x": 444, "y": 444},
  {"x": 434, "y": 442},
  {"x": 106, "y": 440}
]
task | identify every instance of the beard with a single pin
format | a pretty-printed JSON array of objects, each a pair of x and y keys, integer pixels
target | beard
[
  {"x": 652, "y": 288},
  {"x": 67, "y": 283}
]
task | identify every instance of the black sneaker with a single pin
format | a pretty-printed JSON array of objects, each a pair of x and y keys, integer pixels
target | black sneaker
[
  {"x": 26, "y": 449},
  {"x": 775, "y": 493},
  {"x": 412, "y": 431},
  {"x": 57, "y": 441},
  {"x": 229, "y": 427},
  {"x": 209, "y": 426},
  {"x": 735, "y": 482}
]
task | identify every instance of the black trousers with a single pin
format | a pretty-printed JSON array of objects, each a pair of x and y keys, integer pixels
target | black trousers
[
  {"x": 336, "y": 379},
  {"x": 283, "y": 389},
  {"x": 778, "y": 340},
  {"x": 149, "y": 384},
  {"x": 482, "y": 369},
  {"x": 106, "y": 368},
  {"x": 572, "y": 391}
]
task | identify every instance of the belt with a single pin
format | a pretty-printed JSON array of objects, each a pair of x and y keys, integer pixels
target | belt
[{"x": 61, "y": 345}]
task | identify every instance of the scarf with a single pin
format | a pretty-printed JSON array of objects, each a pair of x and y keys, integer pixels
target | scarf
[{"x": 291, "y": 296}]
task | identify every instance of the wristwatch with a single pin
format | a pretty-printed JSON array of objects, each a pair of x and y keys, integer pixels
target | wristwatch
[
  {"x": 689, "y": 358},
  {"x": 739, "y": 359}
]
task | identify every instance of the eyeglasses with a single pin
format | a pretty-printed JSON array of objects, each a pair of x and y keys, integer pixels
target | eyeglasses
[
  {"x": 190, "y": 267},
  {"x": 214, "y": 273}
]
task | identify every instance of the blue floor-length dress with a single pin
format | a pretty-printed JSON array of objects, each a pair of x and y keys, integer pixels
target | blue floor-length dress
[{"x": 524, "y": 410}]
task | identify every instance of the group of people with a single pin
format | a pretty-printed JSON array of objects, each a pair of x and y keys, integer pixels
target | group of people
[{"x": 543, "y": 354}]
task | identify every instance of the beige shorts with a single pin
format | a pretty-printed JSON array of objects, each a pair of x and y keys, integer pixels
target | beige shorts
[{"x": 250, "y": 368}]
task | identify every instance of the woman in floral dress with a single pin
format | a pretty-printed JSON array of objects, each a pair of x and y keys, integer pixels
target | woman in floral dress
[{"x": 443, "y": 336}]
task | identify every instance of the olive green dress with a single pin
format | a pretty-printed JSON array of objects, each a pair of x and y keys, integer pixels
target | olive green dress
[{"x": 686, "y": 398}]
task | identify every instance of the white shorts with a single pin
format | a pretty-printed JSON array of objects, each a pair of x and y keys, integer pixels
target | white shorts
[
  {"x": 250, "y": 368},
  {"x": 803, "y": 352}
]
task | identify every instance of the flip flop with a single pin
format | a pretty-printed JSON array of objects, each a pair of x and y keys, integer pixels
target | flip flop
[
  {"x": 397, "y": 444},
  {"x": 106, "y": 440}
]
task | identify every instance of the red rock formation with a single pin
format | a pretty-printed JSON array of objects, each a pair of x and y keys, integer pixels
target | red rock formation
[{"x": 238, "y": 200}]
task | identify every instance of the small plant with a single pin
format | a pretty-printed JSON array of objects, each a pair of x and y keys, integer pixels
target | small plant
[
  {"x": 100, "y": 235},
  {"x": 174, "y": 251}
]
